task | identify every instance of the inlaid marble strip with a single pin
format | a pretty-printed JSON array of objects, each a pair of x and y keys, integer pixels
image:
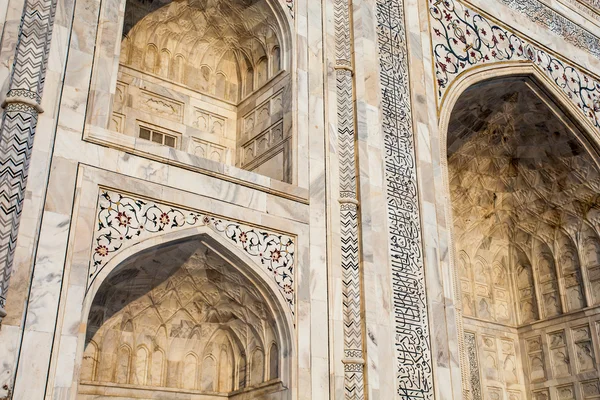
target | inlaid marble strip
[
  {"x": 124, "y": 220},
  {"x": 21, "y": 109},
  {"x": 545, "y": 16},
  {"x": 412, "y": 340},
  {"x": 590, "y": 7},
  {"x": 463, "y": 39},
  {"x": 474, "y": 380},
  {"x": 350, "y": 251},
  {"x": 594, "y": 4}
]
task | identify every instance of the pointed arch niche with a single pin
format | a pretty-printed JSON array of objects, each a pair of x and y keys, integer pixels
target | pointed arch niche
[
  {"x": 524, "y": 189},
  {"x": 181, "y": 317},
  {"x": 210, "y": 78}
]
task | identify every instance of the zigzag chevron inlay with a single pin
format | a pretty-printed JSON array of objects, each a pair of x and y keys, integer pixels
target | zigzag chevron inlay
[
  {"x": 18, "y": 124},
  {"x": 350, "y": 251}
]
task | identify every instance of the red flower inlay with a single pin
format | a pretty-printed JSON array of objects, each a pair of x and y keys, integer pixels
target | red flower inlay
[
  {"x": 123, "y": 219},
  {"x": 275, "y": 255},
  {"x": 101, "y": 250},
  {"x": 164, "y": 219}
]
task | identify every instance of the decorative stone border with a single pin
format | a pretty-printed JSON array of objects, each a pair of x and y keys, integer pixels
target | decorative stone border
[
  {"x": 545, "y": 16},
  {"x": 354, "y": 360},
  {"x": 19, "y": 122},
  {"x": 124, "y": 220},
  {"x": 463, "y": 39},
  {"x": 414, "y": 374},
  {"x": 590, "y": 7},
  {"x": 474, "y": 379}
]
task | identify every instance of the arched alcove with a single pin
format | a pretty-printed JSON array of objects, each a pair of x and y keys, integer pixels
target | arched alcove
[
  {"x": 182, "y": 318},
  {"x": 209, "y": 77},
  {"x": 524, "y": 187}
]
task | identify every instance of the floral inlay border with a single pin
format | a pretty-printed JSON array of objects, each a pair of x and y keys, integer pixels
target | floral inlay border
[
  {"x": 463, "y": 39},
  {"x": 124, "y": 220}
]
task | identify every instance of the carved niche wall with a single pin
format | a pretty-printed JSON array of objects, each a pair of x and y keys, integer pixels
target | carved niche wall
[
  {"x": 182, "y": 319},
  {"x": 526, "y": 205},
  {"x": 208, "y": 77}
]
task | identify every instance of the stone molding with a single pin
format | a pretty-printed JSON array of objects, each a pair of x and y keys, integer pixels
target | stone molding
[
  {"x": 414, "y": 374},
  {"x": 19, "y": 121},
  {"x": 593, "y": 4},
  {"x": 590, "y": 7},
  {"x": 124, "y": 220},
  {"x": 462, "y": 39}
]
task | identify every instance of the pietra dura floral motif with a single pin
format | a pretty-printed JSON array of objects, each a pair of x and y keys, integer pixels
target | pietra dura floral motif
[
  {"x": 124, "y": 220},
  {"x": 463, "y": 39}
]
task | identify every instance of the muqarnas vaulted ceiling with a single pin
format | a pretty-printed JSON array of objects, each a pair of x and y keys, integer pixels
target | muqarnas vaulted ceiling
[
  {"x": 182, "y": 317},
  {"x": 525, "y": 203},
  {"x": 224, "y": 48}
]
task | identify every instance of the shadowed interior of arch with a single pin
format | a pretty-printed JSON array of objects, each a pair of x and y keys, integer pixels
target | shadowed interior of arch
[
  {"x": 180, "y": 317},
  {"x": 210, "y": 77},
  {"x": 526, "y": 212}
]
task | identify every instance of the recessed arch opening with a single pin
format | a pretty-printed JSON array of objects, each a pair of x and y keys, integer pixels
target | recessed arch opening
[
  {"x": 184, "y": 317},
  {"x": 524, "y": 184},
  {"x": 211, "y": 78}
]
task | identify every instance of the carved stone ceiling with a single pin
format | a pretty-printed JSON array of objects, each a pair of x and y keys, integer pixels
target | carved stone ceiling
[
  {"x": 187, "y": 276},
  {"x": 202, "y": 31},
  {"x": 176, "y": 308},
  {"x": 514, "y": 165}
]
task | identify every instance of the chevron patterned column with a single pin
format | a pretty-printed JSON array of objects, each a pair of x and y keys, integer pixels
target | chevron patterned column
[
  {"x": 354, "y": 382},
  {"x": 21, "y": 109}
]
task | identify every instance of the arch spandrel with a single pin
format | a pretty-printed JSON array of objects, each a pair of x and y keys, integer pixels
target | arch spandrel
[
  {"x": 127, "y": 224},
  {"x": 464, "y": 40}
]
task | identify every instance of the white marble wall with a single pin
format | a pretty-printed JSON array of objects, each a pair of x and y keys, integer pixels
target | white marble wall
[
  {"x": 42, "y": 334},
  {"x": 53, "y": 312}
]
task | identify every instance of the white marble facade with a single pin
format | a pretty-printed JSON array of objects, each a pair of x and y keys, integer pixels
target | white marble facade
[{"x": 302, "y": 199}]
